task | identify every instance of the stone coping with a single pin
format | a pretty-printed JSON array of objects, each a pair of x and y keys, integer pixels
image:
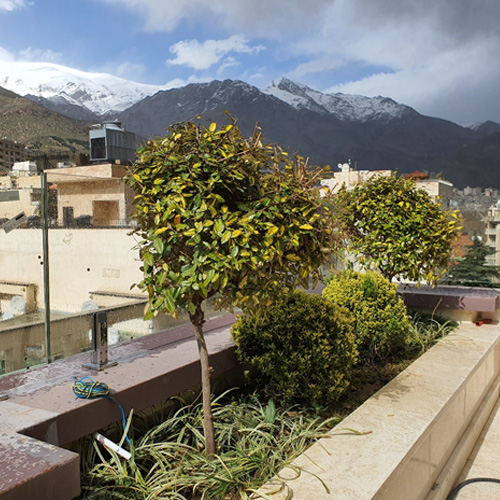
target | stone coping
[
  {"x": 485, "y": 300},
  {"x": 399, "y": 444}
]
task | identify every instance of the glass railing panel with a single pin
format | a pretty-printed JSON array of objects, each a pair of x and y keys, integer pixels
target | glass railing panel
[{"x": 92, "y": 265}]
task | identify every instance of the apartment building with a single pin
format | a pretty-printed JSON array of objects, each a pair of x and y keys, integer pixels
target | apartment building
[
  {"x": 11, "y": 152},
  {"x": 491, "y": 233}
]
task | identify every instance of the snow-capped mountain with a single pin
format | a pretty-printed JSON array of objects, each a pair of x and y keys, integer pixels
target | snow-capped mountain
[
  {"x": 349, "y": 108},
  {"x": 97, "y": 92},
  {"x": 377, "y": 132}
]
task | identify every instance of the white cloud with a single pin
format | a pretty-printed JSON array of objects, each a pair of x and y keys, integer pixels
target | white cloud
[
  {"x": 39, "y": 55},
  {"x": 30, "y": 55},
  {"x": 256, "y": 18},
  {"x": 179, "y": 82},
  {"x": 315, "y": 66},
  {"x": 203, "y": 55},
  {"x": 130, "y": 70},
  {"x": 229, "y": 62},
  {"x": 5, "y": 55},
  {"x": 440, "y": 57},
  {"x": 10, "y": 5}
]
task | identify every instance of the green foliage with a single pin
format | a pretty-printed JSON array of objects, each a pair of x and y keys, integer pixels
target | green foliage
[
  {"x": 303, "y": 347},
  {"x": 381, "y": 321},
  {"x": 425, "y": 330},
  {"x": 398, "y": 229},
  {"x": 219, "y": 214},
  {"x": 472, "y": 269},
  {"x": 256, "y": 443}
]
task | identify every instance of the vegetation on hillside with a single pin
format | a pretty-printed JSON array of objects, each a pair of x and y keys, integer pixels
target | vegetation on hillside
[{"x": 39, "y": 129}]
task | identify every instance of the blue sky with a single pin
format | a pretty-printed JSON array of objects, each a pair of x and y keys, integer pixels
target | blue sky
[{"x": 439, "y": 56}]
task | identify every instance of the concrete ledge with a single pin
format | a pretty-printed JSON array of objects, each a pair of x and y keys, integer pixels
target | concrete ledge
[
  {"x": 31, "y": 469},
  {"x": 406, "y": 434},
  {"x": 459, "y": 302}
]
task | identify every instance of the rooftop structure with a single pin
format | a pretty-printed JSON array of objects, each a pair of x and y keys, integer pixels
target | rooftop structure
[
  {"x": 110, "y": 143},
  {"x": 93, "y": 195},
  {"x": 349, "y": 177}
]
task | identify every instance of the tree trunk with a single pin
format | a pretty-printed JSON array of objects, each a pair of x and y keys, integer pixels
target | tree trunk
[{"x": 197, "y": 319}]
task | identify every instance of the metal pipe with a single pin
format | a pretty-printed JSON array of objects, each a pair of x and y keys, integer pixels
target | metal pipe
[{"x": 46, "y": 281}]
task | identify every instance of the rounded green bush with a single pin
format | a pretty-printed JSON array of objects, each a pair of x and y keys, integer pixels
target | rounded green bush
[
  {"x": 303, "y": 347},
  {"x": 381, "y": 320}
]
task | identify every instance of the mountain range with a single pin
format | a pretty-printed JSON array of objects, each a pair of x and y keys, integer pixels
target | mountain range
[{"x": 374, "y": 133}]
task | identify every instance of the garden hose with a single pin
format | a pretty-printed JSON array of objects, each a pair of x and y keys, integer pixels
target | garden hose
[{"x": 453, "y": 493}]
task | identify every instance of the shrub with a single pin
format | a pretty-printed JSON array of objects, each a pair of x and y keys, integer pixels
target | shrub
[
  {"x": 381, "y": 321},
  {"x": 303, "y": 347}
]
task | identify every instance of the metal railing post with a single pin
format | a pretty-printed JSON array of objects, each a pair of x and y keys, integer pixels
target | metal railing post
[
  {"x": 46, "y": 281},
  {"x": 99, "y": 354}
]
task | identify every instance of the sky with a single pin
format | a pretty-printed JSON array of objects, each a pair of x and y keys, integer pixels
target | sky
[{"x": 441, "y": 57}]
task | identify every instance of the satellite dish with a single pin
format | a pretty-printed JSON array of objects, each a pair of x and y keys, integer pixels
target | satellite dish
[
  {"x": 18, "y": 304},
  {"x": 7, "y": 315}
]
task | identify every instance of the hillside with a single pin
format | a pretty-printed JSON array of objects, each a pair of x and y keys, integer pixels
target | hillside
[{"x": 40, "y": 129}]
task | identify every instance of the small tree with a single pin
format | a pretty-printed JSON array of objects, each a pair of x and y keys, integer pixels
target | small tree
[
  {"x": 397, "y": 229},
  {"x": 472, "y": 269},
  {"x": 224, "y": 217}
]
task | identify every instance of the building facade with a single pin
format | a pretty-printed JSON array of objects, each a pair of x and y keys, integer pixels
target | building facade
[
  {"x": 349, "y": 177},
  {"x": 94, "y": 195},
  {"x": 491, "y": 232},
  {"x": 10, "y": 152}
]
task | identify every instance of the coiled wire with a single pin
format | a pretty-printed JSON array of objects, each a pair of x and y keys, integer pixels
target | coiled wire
[{"x": 86, "y": 388}]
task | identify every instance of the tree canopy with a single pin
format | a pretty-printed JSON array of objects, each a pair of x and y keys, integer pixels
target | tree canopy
[
  {"x": 396, "y": 228},
  {"x": 472, "y": 269},
  {"x": 224, "y": 217}
]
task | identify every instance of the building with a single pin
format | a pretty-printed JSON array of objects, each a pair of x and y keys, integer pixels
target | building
[
  {"x": 11, "y": 152},
  {"x": 349, "y": 177},
  {"x": 20, "y": 191},
  {"x": 94, "y": 195},
  {"x": 491, "y": 232},
  {"x": 438, "y": 189}
]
